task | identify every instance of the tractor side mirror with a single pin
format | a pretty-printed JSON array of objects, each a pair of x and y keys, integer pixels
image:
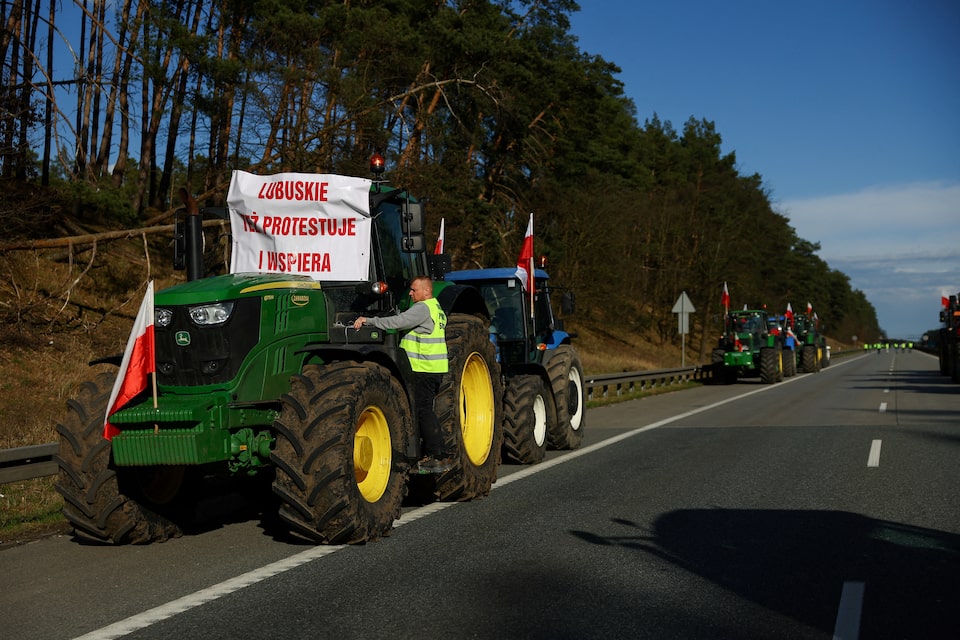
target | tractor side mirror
[{"x": 568, "y": 302}]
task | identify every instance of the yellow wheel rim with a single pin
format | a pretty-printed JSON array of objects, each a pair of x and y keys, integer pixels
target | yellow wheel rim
[
  {"x": 372, "y": 454},
  {"x": 476, "y": 409}
]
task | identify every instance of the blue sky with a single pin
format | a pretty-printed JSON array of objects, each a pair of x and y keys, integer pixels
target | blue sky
[{"x": 850, "y": 110}]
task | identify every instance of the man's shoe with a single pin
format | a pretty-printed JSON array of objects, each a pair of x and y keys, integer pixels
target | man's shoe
[{"x": 435, "y": 465}]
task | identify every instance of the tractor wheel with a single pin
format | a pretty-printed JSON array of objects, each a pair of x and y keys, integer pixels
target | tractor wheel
[
  {"x": 126, "y": 505},
  {"x": 566, "y": 379},
  {"x": 527, "y": 410},
  {"x": 771, "y": 365},
  {"x": 809, "y": 359},
  {"x": 789, "y": 363},
  {"x": 342, "y": 435},
  {"x": 469, "y": 406}
]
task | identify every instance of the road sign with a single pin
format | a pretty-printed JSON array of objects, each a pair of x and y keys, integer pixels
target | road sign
[
  {"x": 683, "y": 308},
  {"x": 683, "y": 304}
]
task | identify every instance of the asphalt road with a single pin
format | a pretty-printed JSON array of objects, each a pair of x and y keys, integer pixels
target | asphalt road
[{"x": 825, "y": 506}]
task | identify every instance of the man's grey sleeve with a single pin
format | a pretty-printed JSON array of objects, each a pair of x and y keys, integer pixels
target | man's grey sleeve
[{"x": 416, "y": 316}]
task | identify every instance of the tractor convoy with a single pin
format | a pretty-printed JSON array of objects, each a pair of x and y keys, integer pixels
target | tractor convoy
[
  {"x": 755, "y": 344},
  {"x": 259, "y": 374},
  {"x": 258, "y": 378}
]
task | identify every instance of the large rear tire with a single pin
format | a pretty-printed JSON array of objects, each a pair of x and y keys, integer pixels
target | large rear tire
[
  {"x": 528, "y": 409},
  {"x": 771, "y": 365},
  {"x": 789, "y": 363},
  {"x": 104, "y": 503},
  {"x": 342, "y": 435},
  {"x": 566, "y": 380},
  {"x": 469, "y": 406},
  {"x": 810, "y": 361}
]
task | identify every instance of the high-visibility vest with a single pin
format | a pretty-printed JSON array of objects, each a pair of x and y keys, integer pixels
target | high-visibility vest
[{"x": 428, "y": 351}]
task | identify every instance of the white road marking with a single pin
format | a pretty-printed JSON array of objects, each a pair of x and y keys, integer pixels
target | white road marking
[
  {"x": 873, "y": 460},
  {"x": 192, "y": 600},
  {"x": 883, "y": 407},
  {"x": 849, "y": 611}
]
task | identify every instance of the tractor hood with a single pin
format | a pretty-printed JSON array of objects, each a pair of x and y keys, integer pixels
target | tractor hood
[{"x": 231, "y": 287}]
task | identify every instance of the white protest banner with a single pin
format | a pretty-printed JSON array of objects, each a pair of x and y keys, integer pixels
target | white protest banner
[{"x": 300, "y": 223}]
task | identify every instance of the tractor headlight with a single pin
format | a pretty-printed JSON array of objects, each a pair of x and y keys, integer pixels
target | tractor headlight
[
  {"x": 163, "y": 317},
  {"x": 211, "y": 314}
]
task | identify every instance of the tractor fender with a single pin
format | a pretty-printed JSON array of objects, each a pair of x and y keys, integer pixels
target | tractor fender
[
  {"x": 458, "y": 298},
  {"x": 556, "y": 338}
]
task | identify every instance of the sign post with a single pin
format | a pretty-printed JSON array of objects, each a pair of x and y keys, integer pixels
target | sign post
[{"x": 683, "y": 308}]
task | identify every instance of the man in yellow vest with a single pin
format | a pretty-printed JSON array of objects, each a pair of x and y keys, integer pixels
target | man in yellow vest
[{"x": 426, "y": 347}]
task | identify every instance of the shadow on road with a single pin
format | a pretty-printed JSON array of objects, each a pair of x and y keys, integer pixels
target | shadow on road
[{"x": 796, "y": 562}]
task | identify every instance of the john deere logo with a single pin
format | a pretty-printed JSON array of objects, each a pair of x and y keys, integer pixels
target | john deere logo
[
  {"x": 299, "y": 300},
  {"x": 183, "y": 338}
]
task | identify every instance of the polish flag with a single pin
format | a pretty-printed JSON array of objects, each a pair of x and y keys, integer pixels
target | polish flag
[
  {"x": 138, "y": 362},
  {"x": 438, "y": 249},
  {"x": 789, "y": 314},
  {"x": 525, "y": 261},
  {"x": 944, "y": 300},
  {"x": 725, "y": 297}
]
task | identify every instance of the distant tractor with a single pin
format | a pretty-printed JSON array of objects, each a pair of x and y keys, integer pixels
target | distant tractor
[
  {"x": 544, "y": 393},
  {"x": 781, "y": 326},
  {"x": 748, "y": 348},
  {"x": 949, "y": 338},
  {"x": 813, "y": 354}
]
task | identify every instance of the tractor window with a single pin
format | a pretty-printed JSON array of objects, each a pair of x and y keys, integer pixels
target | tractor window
[
  {"x": 544, "y": 314},
  {"x": 505, "y": 302},
  {"x": 399, "y": 267}
]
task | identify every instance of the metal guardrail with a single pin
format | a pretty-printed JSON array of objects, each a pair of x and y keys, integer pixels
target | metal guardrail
[
  {"x": 638, "y": 381},
  {"x": 27, "y": 463},
  {"x": 36, "y": 461}
]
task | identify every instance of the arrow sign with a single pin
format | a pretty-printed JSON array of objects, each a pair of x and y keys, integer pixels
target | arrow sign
[
  {"x": 683, "y": 304},
  {"x": 683, "y": 308}
]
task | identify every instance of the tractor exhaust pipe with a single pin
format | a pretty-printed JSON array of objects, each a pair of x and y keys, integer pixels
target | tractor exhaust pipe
[{"x": 188, "y": 238}]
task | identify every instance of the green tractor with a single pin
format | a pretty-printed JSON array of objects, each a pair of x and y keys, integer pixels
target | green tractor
[
  {"x": 813, "y": 354},
  {"x": 748, "y": 348},
  {"x": 544, "y": 395},
  {"x": 261, "y": 374}
]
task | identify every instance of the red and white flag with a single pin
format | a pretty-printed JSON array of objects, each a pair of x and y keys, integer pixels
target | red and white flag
[
  {"x": 525, "y": 261},
  {"x": 725, "y": 297},
  {"x": 944, "y": 299},
  {"x": 438, "y": 248},
  {"x": 809, "y": 308},
  {"x": 138, "y": 363},
  {"x": 789, "y": 314}
]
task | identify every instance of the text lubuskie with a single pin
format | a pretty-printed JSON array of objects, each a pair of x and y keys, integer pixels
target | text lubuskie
[
  {"x": 299, "y": 225},
  {"x": 309, "y": 190}
]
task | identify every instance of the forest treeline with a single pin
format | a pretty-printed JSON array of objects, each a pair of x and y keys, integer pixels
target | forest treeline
[{"x": 487, "y": 109}]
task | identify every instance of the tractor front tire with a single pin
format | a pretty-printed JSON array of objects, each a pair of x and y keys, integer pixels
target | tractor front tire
[
  {"x": 342, "y": 436},
  {"x": 528, "y": 409},
  {"x": 469, "y": 406},
  {"x": 99, "y": 500},
  {"x": 566, "y": 380}
]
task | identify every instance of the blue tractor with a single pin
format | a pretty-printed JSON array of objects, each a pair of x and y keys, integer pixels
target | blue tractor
[{"x": 544, "y": 393}]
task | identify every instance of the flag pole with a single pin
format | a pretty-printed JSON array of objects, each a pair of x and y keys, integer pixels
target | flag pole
[{"x": 533, "y": 283}]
